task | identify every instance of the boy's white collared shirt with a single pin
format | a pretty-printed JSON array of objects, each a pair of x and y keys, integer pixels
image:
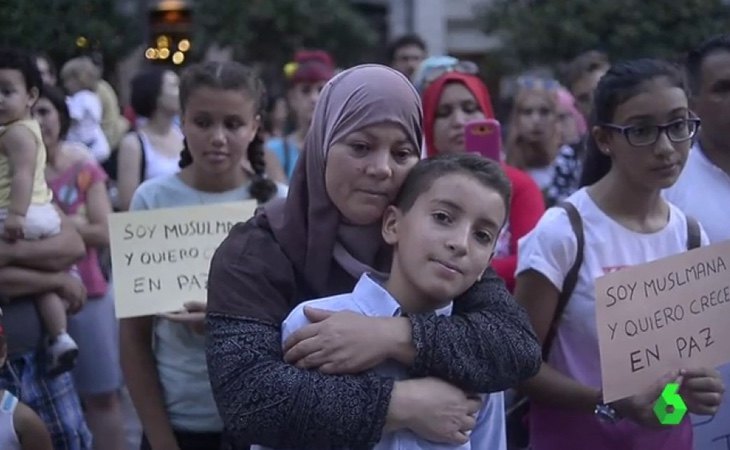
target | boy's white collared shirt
[{"x": 370, "y": 298}]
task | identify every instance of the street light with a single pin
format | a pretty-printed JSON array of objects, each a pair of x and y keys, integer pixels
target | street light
[{"x": 170, "y": 24}]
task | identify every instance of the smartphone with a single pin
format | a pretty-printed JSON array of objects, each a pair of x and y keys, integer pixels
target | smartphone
[{"x": 484, "y": 136}]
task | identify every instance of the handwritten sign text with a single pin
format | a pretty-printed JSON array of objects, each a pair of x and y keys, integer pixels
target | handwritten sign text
[{"x": 160, "y": 258}]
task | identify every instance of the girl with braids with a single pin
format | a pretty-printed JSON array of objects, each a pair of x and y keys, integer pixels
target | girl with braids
[
  {"x": 641, "y": 133},
  {"x": 168, "y": 382}
]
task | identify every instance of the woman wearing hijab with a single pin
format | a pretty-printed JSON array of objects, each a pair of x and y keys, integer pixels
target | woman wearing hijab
[
  {"x": 364, "y": 139},
  {"x": 449, "y": 103}
]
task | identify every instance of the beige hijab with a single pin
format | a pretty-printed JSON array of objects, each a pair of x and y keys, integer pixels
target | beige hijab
[{"x": 307, "y": 224}]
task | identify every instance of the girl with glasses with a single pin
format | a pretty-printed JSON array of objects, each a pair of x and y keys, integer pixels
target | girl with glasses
[{"x": 640, "y": 136}]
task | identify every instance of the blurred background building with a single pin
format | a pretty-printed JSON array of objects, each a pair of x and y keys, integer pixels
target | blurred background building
[{"x": 451, "y": 27}]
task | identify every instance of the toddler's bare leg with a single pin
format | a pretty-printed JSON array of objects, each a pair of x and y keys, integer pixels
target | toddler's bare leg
[
  {"x": 61, "y": 350},
  {"x": 53, "y": 313}
]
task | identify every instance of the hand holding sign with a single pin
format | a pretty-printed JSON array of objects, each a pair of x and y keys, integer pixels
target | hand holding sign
[
  {"x": 702, "y": 390},
  {"x": 192, "y": 315}
]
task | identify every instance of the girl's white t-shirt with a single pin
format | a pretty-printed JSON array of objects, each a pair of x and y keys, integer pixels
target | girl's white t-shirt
[{"x": 550, "y": 249}]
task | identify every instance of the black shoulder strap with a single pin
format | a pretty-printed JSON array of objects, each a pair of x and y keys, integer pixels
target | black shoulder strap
[
  {"x": 571, "y": 278},
  {"x": 143, "y": 158},
  {"x": 694, "y": 235}
]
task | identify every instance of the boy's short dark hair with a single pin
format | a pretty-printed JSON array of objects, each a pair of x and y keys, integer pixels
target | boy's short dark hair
[
  {"x": 405, "y": 41},
  {"x": 23, "y": 62},
  {"x": 427, "y": 171}
]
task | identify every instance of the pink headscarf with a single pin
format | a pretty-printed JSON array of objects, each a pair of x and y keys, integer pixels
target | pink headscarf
[{"x": 307, "y": 224}]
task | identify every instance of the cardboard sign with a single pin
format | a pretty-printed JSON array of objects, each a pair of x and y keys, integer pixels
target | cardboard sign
[
  {"x": 665, "y": 315},
  {"x": 161, "y": 257}
]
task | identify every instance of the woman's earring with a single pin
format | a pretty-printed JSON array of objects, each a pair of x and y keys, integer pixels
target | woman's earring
[{"x": 607, "y": 151}]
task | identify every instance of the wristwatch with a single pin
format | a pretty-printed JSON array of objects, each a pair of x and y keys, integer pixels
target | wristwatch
[{"x": 606, "y": 413}]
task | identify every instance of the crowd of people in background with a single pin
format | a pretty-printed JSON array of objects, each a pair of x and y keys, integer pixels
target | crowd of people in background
[{"x": 393, "y": 290}]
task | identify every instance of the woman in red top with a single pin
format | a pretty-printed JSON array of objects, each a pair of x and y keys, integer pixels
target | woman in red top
[{"x": 449, "y": 103}]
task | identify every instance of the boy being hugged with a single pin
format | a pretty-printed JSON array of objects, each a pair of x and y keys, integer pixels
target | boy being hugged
[{"x": 442, "y": 227}]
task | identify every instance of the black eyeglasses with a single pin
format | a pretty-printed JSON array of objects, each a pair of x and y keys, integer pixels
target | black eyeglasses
[{"x": 679, "y": 130}]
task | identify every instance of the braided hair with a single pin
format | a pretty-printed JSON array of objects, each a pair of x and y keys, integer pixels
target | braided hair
[{"x": 231, "y": 75}]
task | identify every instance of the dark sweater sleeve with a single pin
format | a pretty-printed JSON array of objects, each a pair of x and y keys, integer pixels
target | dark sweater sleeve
[
  {"x": 265, "y": 401},
  {"x": 261, "y": 399},
  {"x": 487, "y": 345}
]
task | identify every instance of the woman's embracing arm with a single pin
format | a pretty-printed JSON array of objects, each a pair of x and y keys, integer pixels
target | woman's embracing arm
[
  {"x": 487, "y": 345},
  {"x": 262, "y": 399},
  {"x": 265, "y": 401}
]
